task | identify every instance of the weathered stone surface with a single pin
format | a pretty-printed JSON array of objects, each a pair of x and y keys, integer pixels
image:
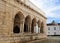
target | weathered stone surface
[{"x": 25, "y": 15}]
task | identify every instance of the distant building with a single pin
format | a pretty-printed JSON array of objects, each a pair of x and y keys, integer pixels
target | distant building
[{"x": 53, "y": 28}]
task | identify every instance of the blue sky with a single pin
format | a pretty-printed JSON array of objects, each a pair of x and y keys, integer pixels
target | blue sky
[{"x": 51, "y": 9}]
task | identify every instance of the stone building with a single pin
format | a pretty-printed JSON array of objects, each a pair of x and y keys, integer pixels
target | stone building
[{"x": 20, "y": 20}]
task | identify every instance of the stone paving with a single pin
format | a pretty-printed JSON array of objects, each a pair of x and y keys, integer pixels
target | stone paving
[{"x": 49, "y": 40}]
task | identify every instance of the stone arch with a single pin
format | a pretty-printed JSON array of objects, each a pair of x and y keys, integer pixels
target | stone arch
[
  {"x": 34, "y": 21},
  {"x": 27, "y": 24},
  {"x": 42, "y": 28},
  {"x": 18, "y": 21}
]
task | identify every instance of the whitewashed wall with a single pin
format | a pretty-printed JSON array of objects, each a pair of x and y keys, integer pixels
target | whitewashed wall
[{"x": 51, "y": 31}]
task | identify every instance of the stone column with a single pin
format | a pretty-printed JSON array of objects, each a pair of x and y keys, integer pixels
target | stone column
[
  {"x": 44, "y": 28},
  {"x": 38, "y": 29},
  {"x": 22, "y": 26},
  {"x": 39, "y": 26},
  {"x": 34, "y": 27},
  {"x": 30, "y": 27}
]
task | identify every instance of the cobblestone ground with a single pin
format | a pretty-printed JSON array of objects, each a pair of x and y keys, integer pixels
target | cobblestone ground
[{"x": 53, "y": 39}]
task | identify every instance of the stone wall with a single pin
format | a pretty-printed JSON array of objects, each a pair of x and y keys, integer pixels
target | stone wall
[{"x": 8, "y": 10}]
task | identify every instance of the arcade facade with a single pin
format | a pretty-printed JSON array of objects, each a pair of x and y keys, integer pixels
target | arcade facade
[
  {"x": 21, "y": 20},
  {"x": 27, "y": 25}
]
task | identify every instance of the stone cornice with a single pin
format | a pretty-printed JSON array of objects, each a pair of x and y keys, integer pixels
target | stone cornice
[
  {"x": 29, "y": 8},
  {"x": 32, "y": 9}
]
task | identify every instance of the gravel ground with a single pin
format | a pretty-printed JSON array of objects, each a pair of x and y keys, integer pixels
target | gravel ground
[{"x": 49, "y": 40}]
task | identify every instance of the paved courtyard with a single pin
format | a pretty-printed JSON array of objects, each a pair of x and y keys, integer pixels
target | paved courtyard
[{"x": 53, "y": 39}]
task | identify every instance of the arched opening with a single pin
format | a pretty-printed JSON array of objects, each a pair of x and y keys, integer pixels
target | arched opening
[
  {"x": 25, "y": 27},
  {"x": 42, "y": 27},
  {"x": 27, "y": 24},
  {"x": 16, "y": 29},
  {"x": 33, "y": 25},
  {"x": 17, "y": 22}
]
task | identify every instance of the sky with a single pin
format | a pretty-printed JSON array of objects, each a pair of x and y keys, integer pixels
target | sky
[{"x": 51, "y": 9}]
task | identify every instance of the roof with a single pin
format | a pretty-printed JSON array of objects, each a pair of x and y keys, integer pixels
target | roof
[
  {"x": 50, "y": 24},
  {"x": 58, "y": 23},
  {"x": 53, "y": 23}
]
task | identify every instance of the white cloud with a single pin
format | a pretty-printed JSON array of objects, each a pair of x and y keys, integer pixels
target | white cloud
[
  {"x": 48, "y": 6},
  {"x": 51, "y": 9}
]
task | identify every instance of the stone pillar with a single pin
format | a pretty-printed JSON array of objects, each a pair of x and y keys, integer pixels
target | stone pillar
[
  {"x": 34, "y": 27},
  {"x": 22, "y": 26},
  {"x": 44, "y": 28},
  {"x": 39, "y": 26},
  {"x": 30, "y": 27},
  {"x": 38, "y": 29}
]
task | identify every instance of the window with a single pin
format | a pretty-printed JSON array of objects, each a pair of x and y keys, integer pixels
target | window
[
  {"x": 54, "y": 28},
  {"x": 48, "y": 28},
  {"x": 54, "y": 33},
  {"x": 48, "y": 32}
]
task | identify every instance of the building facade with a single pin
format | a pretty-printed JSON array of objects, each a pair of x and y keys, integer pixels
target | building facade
[
  {"x": 53, "y": 28},
  {"x": 20, "y": 20}
]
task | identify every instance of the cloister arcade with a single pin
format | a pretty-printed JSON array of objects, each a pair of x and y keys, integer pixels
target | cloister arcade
[
  {"x": 26, "y": 24},
  {"x": 21, "y": 20}
]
